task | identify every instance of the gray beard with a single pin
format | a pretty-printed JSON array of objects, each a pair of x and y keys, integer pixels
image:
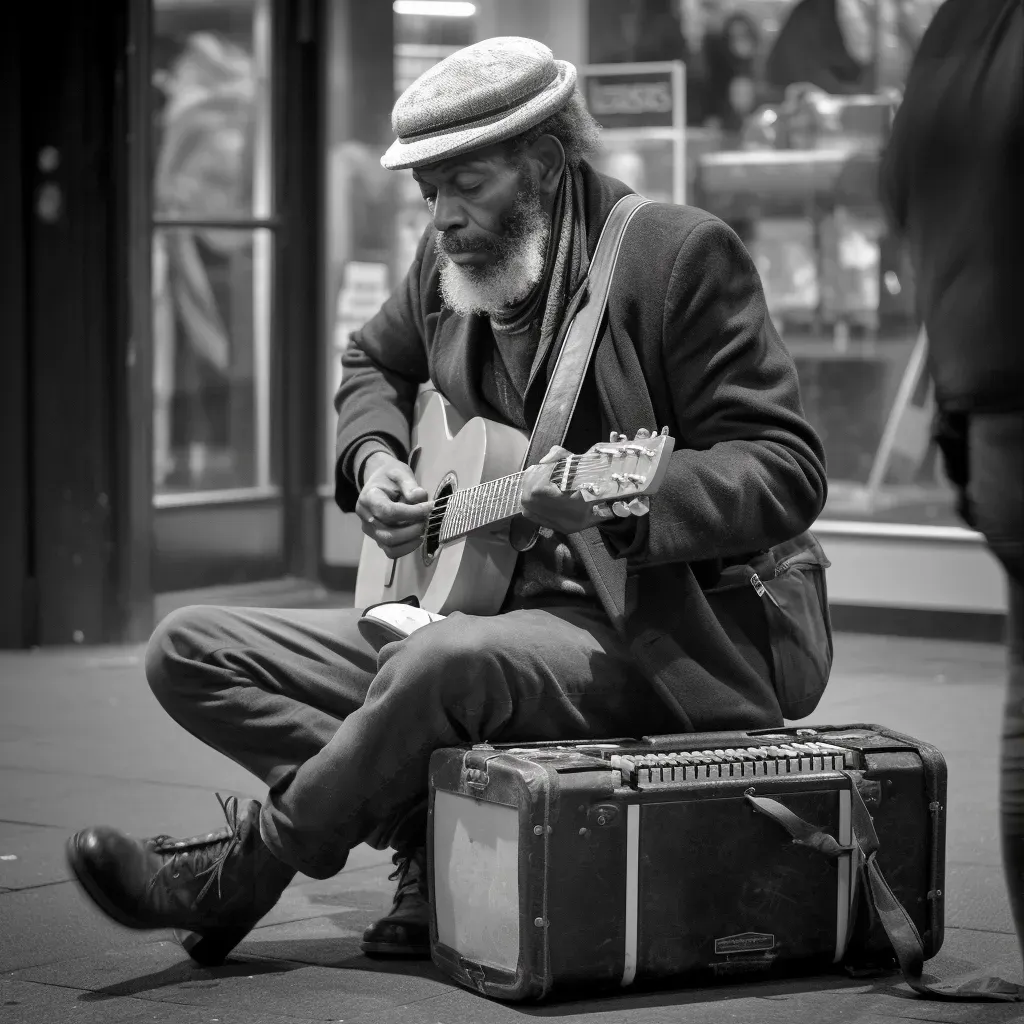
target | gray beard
[{"x": 504, "y": 283}]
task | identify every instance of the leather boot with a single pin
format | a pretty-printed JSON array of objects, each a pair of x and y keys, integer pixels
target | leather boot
[
  {"x": 405, "y": 931},
  {"x": 211, "y": 889}
]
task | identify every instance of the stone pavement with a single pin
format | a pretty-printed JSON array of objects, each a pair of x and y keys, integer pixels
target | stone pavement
[{"x": 82, "y": 742}]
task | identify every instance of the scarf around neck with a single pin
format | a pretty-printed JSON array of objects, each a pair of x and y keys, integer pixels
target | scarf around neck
[{"x": 564, "y": 268}]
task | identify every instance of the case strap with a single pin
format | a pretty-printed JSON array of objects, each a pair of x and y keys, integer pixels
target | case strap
[{"x": 900, "y": 929}]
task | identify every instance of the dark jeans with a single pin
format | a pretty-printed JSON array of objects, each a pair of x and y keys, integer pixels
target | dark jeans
[
  {"x": 342, "y": 737},
  {"x": 988, "y": 465}
]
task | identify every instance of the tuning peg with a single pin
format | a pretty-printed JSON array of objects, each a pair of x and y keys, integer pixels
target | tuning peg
[
  {"x": 642, "y": 433},
  {"x": 615, "y": 437},
  {"x": 664, "y": 431},
  {"x": 639, "y": 506},
  {"x": 621, "y": 509},
  {"x": 602, "y": 511}
]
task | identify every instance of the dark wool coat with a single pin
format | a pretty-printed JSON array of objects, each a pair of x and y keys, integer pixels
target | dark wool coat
[
  {"x": 687, "y": 344},
  {"x": 953, "y": 181}
]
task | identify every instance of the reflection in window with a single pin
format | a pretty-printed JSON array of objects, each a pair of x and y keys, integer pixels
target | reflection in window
[
  {"x": 208, "y": 314},
  {"x": 788, "y": 105},
  {"x": 211, "y": 274}
]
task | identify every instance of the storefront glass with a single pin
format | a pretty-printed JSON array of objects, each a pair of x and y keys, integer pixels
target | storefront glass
[
  {"x": 788, "y": 106},
  {"x": 213, "y": 245},
  {"x": 375, "y": 217},
  {"x": 792, "y": 168}
]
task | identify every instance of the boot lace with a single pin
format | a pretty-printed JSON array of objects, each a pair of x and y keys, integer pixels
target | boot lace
[
  {"x": 214, "y": 849},
  {"x": 410, "y": 873}
]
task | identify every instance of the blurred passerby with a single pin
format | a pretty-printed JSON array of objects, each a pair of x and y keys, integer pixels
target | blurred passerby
[
  {"x": 824, "y": 43},
  {"x": 952, "y": 179},
  {"x": 730, "y": 57}
]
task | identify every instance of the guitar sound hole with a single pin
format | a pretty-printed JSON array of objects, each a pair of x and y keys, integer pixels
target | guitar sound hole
[{"x": 432, "y": 540}]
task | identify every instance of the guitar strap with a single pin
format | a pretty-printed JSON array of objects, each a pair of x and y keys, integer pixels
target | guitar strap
[{"x": 562, "y": 394}]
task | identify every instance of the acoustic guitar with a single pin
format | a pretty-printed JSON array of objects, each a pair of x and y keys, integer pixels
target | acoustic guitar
[{"x": 472, "y": 471}]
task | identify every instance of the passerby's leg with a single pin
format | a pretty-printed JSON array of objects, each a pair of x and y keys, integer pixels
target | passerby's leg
[
  {"x": 996, "y": 506},
  {"x": 1012, "y": 761}
]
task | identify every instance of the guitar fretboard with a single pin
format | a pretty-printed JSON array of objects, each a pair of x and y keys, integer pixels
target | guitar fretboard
[{"x": 493, "y": 501}]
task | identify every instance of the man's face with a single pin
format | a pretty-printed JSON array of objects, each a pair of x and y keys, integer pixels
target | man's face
[{"x": 492, "y": 228}]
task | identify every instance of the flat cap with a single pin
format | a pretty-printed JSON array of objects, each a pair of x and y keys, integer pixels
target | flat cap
[{"x": 482, "y": 94}]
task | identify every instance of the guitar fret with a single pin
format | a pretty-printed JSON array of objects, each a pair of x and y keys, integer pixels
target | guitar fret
[
  {"x": 459, "y": 516},
  {"x": 488, "y": 492},
  {"x": 492, "y": 501},
  {"x": 446, "y": 519},
  {"x": 509, "y": 496},
  {"x": 472, "y": 507}
]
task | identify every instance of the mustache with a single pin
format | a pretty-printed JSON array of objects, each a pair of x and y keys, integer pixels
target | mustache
[
  {"x": 454, "y": 244},
  {"x": 512, "y": 228}
]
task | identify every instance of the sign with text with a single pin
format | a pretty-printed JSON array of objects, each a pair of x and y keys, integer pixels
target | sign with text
[{"x": 638, "y": 99}]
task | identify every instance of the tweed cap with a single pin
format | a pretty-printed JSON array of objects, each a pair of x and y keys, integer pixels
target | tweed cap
[{"x": 482, "y": 94}]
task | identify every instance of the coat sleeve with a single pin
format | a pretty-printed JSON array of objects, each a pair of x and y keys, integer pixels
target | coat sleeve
[
  {"x": 749, "y": 471},
  {"x": 382, "y": 367}
]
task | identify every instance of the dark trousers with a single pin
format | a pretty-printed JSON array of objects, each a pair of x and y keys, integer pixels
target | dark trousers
[
  {"x": 342, "y": 737},
  {"x": 992, "y": 479}
]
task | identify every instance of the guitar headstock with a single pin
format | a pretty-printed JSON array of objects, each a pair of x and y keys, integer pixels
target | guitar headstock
[{"x": 618, "y": 477}]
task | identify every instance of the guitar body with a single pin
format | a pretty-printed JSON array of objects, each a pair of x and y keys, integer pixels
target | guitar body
[{"x": 471, "y": 573}]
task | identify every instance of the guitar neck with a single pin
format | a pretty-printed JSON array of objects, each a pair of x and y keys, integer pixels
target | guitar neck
[{"x": 492, "y": 502}]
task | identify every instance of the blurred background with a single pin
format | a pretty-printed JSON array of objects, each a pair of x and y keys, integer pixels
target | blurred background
[{"x": 195, "y": 218}]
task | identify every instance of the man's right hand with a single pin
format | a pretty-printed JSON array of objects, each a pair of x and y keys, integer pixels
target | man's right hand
[{"x": 392, "y": 505}]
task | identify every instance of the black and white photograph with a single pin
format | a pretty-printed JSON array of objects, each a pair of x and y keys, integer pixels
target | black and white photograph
[{"x": 514, "y": 509}]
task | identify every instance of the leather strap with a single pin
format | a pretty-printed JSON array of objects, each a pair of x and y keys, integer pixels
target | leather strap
[
  {"x": 566, "y": 382},
  {"x": 898, "y": 925},
  {"x": 562, "y": 394}
]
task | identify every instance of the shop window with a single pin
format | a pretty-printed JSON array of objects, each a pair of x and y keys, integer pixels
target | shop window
[
  {"x": 789, "y": 104},
  {"x": 212, "y": 247}
]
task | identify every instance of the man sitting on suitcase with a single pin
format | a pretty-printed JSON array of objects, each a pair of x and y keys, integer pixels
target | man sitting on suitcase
[{"x": 496, "y": 136}]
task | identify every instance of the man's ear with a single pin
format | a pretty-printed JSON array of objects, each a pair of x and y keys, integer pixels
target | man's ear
[{"x": 549, "y": 156}]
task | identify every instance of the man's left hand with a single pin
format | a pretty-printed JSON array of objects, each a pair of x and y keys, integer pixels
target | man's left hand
[{"x": 544, "y": 504}]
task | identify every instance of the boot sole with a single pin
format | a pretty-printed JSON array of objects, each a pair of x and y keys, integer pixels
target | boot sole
[
  {"x": 209, "y": 948},
  {"x": 393, "y": 950}
]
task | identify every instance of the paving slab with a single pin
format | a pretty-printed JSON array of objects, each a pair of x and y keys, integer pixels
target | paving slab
[
  {"x": 83, "y": 742},
  {"x": 90, "y": 712},
  {"x": 356, "y": 896},
  {"x": 55, "y": 923},
  {"x": 246, "y": 984},
  {"x": 31, "y": 856},
  {"x": 23, "y": 1002},
  {"x": 976, "y": 898}
]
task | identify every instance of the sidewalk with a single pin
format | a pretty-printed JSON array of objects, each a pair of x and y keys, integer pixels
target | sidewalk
[{"x": 82, "y": 742}]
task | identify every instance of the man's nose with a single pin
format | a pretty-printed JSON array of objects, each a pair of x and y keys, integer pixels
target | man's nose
[{"x": 448, "y": 213}]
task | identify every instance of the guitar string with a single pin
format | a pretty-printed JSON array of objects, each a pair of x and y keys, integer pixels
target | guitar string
[
  {"x": 490, "y": 487},
  {"x": 495, "y": 497}
]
